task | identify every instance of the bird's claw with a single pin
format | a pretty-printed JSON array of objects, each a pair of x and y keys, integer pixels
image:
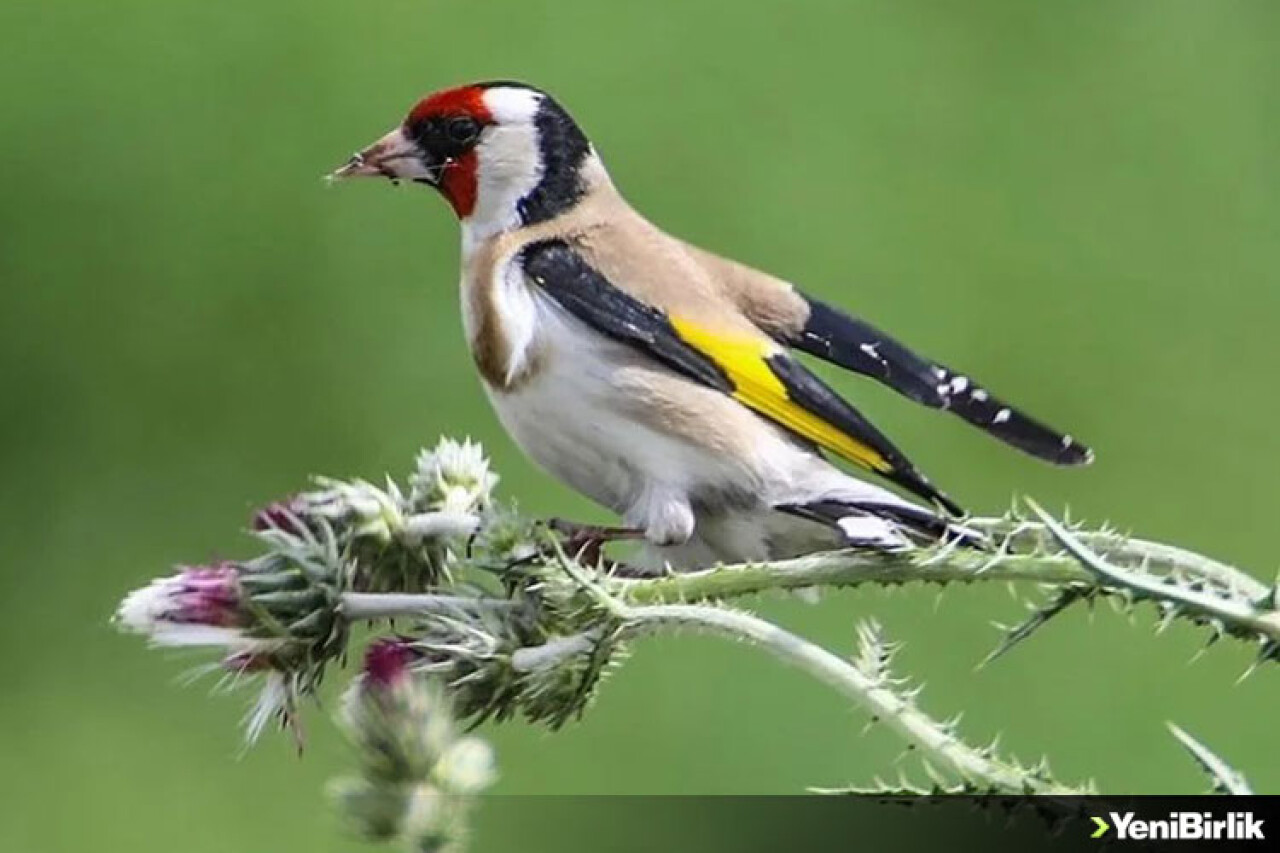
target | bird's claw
[{"x": 585, "y": 542}]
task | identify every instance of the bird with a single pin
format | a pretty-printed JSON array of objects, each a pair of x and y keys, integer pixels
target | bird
[{"x": 661, "y": 380}]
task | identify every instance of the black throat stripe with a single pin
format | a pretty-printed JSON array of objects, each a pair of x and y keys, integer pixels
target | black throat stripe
[{"x": 563, "y": 147}]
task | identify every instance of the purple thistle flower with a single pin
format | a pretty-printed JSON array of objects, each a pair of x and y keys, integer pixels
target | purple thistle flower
[
  {"x": 286, "y": 515},
  {"x": 207, "y": 596},
  {"x": 199, "y": 606},
  {"x": 275, "y": 619},
  {"x": 386, "y": 662}
]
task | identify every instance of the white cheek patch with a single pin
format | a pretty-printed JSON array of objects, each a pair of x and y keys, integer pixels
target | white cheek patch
[
  {"x": 508, "y": 168},
  {"x": 508, "y": 161},
  {"x": 508, "y": 154}
]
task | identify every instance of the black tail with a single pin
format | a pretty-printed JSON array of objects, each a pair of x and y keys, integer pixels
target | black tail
[
  {"x": 978, "y": 407},
  {"x": 855, "y": 345}
]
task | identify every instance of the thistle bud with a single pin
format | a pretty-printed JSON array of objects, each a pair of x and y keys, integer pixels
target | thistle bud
[
  {"x": 467, "y": 767},
  {"x": 288, "y": 515},
  {"x": 453, "y": 478},
  {"x": 357, "y": 509},
  {"x": 276, "y": 617},
  {"x": 400, "y": 721},
  {"x": 201, "y": 605},
  {"x": 377, "y": 812},
  {"x": 386, "y": 664}
]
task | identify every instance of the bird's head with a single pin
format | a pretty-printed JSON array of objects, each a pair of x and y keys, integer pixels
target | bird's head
[{"x": 502, "y": 154}]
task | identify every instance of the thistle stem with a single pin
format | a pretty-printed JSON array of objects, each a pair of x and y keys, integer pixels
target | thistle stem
[
  {"x": 1242, "y": 615},
  {"x": 874, "y": 692},
  {"x": 368, "y": 606},
  {"x": 1025, "y": 555},
  {"x": 847, "y": 569},
  {"x": 435, "y": 524},
  {"x": 549, "y": 654}
]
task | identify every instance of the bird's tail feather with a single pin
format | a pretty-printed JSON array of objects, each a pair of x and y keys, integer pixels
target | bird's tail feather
[
  {"x": 917, "y": 523},
  {"x": 856, "y": 345}
]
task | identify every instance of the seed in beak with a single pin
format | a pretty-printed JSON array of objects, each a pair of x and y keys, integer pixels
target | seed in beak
[{"x": 355, "y": 165}]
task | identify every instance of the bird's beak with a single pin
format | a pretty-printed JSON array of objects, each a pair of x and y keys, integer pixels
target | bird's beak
[{"x": 394, "y": 156}]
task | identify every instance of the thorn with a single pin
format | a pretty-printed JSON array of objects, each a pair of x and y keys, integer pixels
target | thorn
[
  {"x": 931, "y": 771},
  {"x": 1037, "y": 619},
  {"x": 1225, "y": 778},
  {"x": 1248, "y": 672}
]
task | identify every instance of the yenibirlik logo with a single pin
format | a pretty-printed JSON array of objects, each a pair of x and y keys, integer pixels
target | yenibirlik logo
[{"x": 1180, "y": 826}]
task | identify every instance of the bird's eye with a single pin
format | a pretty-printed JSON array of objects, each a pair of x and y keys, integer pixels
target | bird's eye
[{"x": 463, "y": 129}]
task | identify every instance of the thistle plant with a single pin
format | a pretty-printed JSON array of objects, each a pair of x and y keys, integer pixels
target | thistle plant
[
  {"x": 493, "y": 620},
  {"x": 417, "y": 771},
  {"x": 274, "y": 616}
]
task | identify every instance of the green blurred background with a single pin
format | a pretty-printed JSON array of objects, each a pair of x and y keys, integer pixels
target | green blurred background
[{"x": 1078, "y": 202}]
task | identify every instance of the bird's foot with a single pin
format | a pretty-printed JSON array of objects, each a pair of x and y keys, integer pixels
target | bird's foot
[{"x": 585, "y": 542}]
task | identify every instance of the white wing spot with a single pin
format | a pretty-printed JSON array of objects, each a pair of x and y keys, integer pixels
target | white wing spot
[
  {"x": 959, "y": 384},
  {"x": 979, "y": 394},
  {"x": 1001, "y": 416}
]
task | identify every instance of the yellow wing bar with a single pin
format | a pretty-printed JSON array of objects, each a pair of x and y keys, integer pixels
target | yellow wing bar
[{"x": 745, "y": 361}]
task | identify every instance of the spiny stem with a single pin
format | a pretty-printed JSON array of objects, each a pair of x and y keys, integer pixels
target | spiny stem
[
  {"x": 877, "y": 693},
  {"x": 1024, "y": 558},
  {"x": 435, "y": 524},
  {"x": 368, "y": 606},
  {"x": 1020, "y": 535},
  {"x": 1240, "y": 615},
  {"x": 554, "y": 651},
  {"x": 847, "y": 569}
]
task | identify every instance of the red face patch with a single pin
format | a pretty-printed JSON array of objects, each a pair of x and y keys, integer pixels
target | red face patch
[
  {"x": 460, "y": 184},
  {"x": 464, "y": 100},
  {"x": 458, "y": 179}
]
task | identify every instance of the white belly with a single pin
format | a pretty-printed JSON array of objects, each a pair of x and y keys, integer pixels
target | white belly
[{"x": 570, "y": 417}]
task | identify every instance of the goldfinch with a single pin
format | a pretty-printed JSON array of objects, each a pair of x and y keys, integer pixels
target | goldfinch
[{"x": 656, "y": 378}]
